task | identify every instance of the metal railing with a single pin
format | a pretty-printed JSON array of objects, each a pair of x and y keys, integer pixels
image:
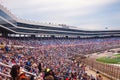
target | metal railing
[
  {"x": 8, "y": 77},
  {"x": 109, "y": 70}
]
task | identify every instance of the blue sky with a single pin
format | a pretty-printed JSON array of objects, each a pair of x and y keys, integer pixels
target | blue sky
[{"x": 85, "y": 14}]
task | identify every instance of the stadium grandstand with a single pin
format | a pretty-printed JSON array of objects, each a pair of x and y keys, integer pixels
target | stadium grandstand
[
  {"x": 40, "y": 51},
  {"x": 12, "y": 26}
]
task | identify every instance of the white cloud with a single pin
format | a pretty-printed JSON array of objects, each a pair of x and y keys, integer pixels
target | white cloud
[
  {"x": 57, "y": 5},
  {"x": 54, "y": 3},
  {"x": 66, "y": 7}
]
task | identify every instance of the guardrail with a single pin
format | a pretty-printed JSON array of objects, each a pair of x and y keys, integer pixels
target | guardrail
[
  {"x": 111, "y": 71},
  {"x": 7, "y": 76}
]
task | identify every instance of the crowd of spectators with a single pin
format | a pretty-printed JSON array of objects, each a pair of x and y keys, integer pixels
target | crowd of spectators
[{"x": 50, "y": 59}]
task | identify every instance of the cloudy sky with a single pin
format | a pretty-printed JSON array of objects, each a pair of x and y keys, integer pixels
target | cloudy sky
[{"x": 85, "y": 14}]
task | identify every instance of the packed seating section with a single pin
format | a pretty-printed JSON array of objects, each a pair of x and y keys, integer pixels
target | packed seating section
[{"x": 52, "y": 56}]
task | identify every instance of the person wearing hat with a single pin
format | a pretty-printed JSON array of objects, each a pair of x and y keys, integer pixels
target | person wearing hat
[{"x": 49, "y": 75}]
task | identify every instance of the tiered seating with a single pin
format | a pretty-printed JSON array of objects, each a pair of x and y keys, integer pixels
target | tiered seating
[{"x": 52, "y": 56}]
